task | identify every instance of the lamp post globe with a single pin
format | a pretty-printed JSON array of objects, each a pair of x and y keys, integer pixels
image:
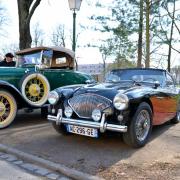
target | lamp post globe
[{"x": 74, "y": 6}]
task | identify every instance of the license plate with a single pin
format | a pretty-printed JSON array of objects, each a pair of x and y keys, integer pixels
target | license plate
[{"x": 82, "y": 130}]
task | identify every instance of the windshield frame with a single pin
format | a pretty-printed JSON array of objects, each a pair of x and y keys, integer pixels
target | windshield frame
[{"x": 136, "y": 75}]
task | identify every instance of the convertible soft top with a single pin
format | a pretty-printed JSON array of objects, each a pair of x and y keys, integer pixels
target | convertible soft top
[{"x": 57, "y": 49}]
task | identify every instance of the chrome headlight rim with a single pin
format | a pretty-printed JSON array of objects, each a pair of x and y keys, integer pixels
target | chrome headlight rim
[
  {"x": 121, "y": 101},
  {"x": 53, "y": 97},
  {"x": 68, "y": 111},
  {"x": 96, "y": 115}
]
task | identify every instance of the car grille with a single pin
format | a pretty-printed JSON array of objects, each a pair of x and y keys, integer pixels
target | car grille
[{"x": 84, "y": 104}]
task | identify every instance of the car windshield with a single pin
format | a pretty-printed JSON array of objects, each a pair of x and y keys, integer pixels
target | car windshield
[
  {"x": 35, "y": 58},
  {"x": 138, "y": 75},
  {"x": 29, "y": 59}
]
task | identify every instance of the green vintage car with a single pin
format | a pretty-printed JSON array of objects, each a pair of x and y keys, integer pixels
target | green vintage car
[{"x": 38, "y": 70}]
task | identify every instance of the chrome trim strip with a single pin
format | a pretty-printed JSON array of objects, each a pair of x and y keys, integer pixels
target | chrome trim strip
[{"x": 102, "y": 126}]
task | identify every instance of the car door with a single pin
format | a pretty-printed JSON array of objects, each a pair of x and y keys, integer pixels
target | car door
[
  {"x": 164, "y": 101},
  {"x": 171, "y": 96}
]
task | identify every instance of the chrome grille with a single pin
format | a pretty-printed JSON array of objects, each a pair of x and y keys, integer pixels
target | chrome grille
[{"x": 84, "y": 104}]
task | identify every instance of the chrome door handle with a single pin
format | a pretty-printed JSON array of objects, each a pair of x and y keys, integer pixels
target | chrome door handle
[
  {"x": 27, "y": 70},
  {"x": 159, "y": 97}
]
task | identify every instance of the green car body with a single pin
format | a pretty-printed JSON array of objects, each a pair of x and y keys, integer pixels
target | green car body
[{"x": 37, "y": 71}]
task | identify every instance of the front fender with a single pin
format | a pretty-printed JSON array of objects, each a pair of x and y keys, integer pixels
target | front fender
[{"x": 15, "y": 92}]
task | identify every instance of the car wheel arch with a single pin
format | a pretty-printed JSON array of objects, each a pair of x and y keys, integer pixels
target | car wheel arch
[
  {"x": 134, "y": 105},
  {"x": 15, "y": 93}
]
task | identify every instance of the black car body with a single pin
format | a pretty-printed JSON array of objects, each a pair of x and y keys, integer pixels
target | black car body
[{"x": 130, "y": 101}]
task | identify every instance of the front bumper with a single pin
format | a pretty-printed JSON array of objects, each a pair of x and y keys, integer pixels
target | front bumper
[{"x": 102, "y": 125}]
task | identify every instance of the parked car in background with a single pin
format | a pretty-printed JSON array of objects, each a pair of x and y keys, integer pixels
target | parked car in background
[
  {"x": 130, "y": 101},
  {"x": 38, "y": 70}
]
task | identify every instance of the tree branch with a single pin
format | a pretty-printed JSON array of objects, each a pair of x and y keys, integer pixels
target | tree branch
[
  {"x": 37, "y": 2},
  {"x": 175, "y": 49}
]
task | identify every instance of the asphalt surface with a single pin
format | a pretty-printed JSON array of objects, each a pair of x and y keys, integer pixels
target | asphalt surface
[{"x": 32, "y": 134}]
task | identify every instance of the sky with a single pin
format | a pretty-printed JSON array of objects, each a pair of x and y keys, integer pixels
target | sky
[{"x": 51, "y": 13}]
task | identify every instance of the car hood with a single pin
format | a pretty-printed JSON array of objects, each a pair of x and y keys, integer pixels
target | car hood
[{"x": 109, "y": 90}]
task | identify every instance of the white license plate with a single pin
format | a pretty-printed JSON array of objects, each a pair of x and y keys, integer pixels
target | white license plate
[{"x": 82, "y": 130}]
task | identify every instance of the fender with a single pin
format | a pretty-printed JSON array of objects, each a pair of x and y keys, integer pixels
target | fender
[{"x": 15, "y": 92}]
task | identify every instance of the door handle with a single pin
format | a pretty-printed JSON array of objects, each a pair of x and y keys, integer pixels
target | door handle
[{"x": 159, "y": 97}]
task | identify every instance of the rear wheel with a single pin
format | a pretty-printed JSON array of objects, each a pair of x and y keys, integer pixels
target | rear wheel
[
  {"x": 140, "y": 127},
  {"x": 8, "y": 108}
]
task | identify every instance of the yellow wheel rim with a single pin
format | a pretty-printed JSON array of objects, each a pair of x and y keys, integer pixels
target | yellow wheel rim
[
  {"x": 7, "y": 109},
  {"x": 35, "y": 89},
  {"x": 2, "y": 109}
]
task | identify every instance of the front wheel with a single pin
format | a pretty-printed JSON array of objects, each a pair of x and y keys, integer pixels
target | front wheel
[
  {"x": 140, "y": 127},
  {"x": 176, "y": 119},
  {"x": 61, "y": 129},
  {"x": 8, "y": 108},
  {"x": 35, "y": 88}
]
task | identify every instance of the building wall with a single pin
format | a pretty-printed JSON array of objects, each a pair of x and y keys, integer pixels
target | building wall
[{"x": 93, "y": 69}]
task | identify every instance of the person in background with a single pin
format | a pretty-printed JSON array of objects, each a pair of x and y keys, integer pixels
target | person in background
[{"x": 8, "y": 61}]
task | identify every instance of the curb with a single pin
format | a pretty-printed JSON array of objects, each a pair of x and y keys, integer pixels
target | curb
[{"x": 72, "y": 173}]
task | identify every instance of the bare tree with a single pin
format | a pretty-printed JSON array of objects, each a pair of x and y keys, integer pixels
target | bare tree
[
  {"x": 3, "y": 18},
  {"x": 58, "y": 36},
  {"x": 140, "y": 38},
  {"x": 147, "y": 61},
  {"x": 26, "y": 9},
  {"x": 37, "y": 35},
  {"x": 13, "y": 47}
]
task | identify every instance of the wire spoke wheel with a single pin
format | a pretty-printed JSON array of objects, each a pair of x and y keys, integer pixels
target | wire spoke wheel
[
  {"x": 139, "y": 127},
  {"x": 35, "y": 89},
  {"x": 8, "y": 108},
  {"x": 142, "y": 125}
]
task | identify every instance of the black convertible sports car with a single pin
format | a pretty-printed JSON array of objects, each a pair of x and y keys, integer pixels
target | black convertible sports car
[{"x": 130, "y": 101}]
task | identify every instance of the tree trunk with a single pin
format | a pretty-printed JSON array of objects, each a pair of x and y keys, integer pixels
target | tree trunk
[
  {"x": 147, "y": 61},
  {"x": 139, "y": 62},
  {"x": 25, "y": 14},
  {"x": 171, "y": 35}
]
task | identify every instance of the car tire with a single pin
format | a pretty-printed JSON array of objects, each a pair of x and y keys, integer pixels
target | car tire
[
  {"x": 140, "y": 127},
  {"x": 8, "y": 109},
  {"x": 44, "y": 112},
  {"x": 176, "y": 119},
  {"x": 61, "y": 129},
  {"x": 35, "y": 88}
]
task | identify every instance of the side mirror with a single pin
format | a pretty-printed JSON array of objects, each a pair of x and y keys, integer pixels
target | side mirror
[
  {"x": 90, "y": 81},
  {"x": 156, "y": 84}
]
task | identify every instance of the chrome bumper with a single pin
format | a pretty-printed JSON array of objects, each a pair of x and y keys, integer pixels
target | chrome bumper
[{"x": 102, "y": 125}]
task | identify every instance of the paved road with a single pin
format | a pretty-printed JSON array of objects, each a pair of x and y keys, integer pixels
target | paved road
[{"x": 30, "y": 133}]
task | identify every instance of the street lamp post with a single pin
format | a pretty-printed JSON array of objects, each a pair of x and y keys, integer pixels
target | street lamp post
[{"x": 74, "y": 5}]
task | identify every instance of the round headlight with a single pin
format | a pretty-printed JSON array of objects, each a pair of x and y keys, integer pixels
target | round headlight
[
  {"x": 120, "y": 101},
  {"x": 96, "y": 114},
  {"x": 53, "y": 97},
  {"x": 68, "y": 112}
]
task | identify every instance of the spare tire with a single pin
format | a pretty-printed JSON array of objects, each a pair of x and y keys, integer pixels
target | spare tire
[{"x": 35, "y": 88}]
